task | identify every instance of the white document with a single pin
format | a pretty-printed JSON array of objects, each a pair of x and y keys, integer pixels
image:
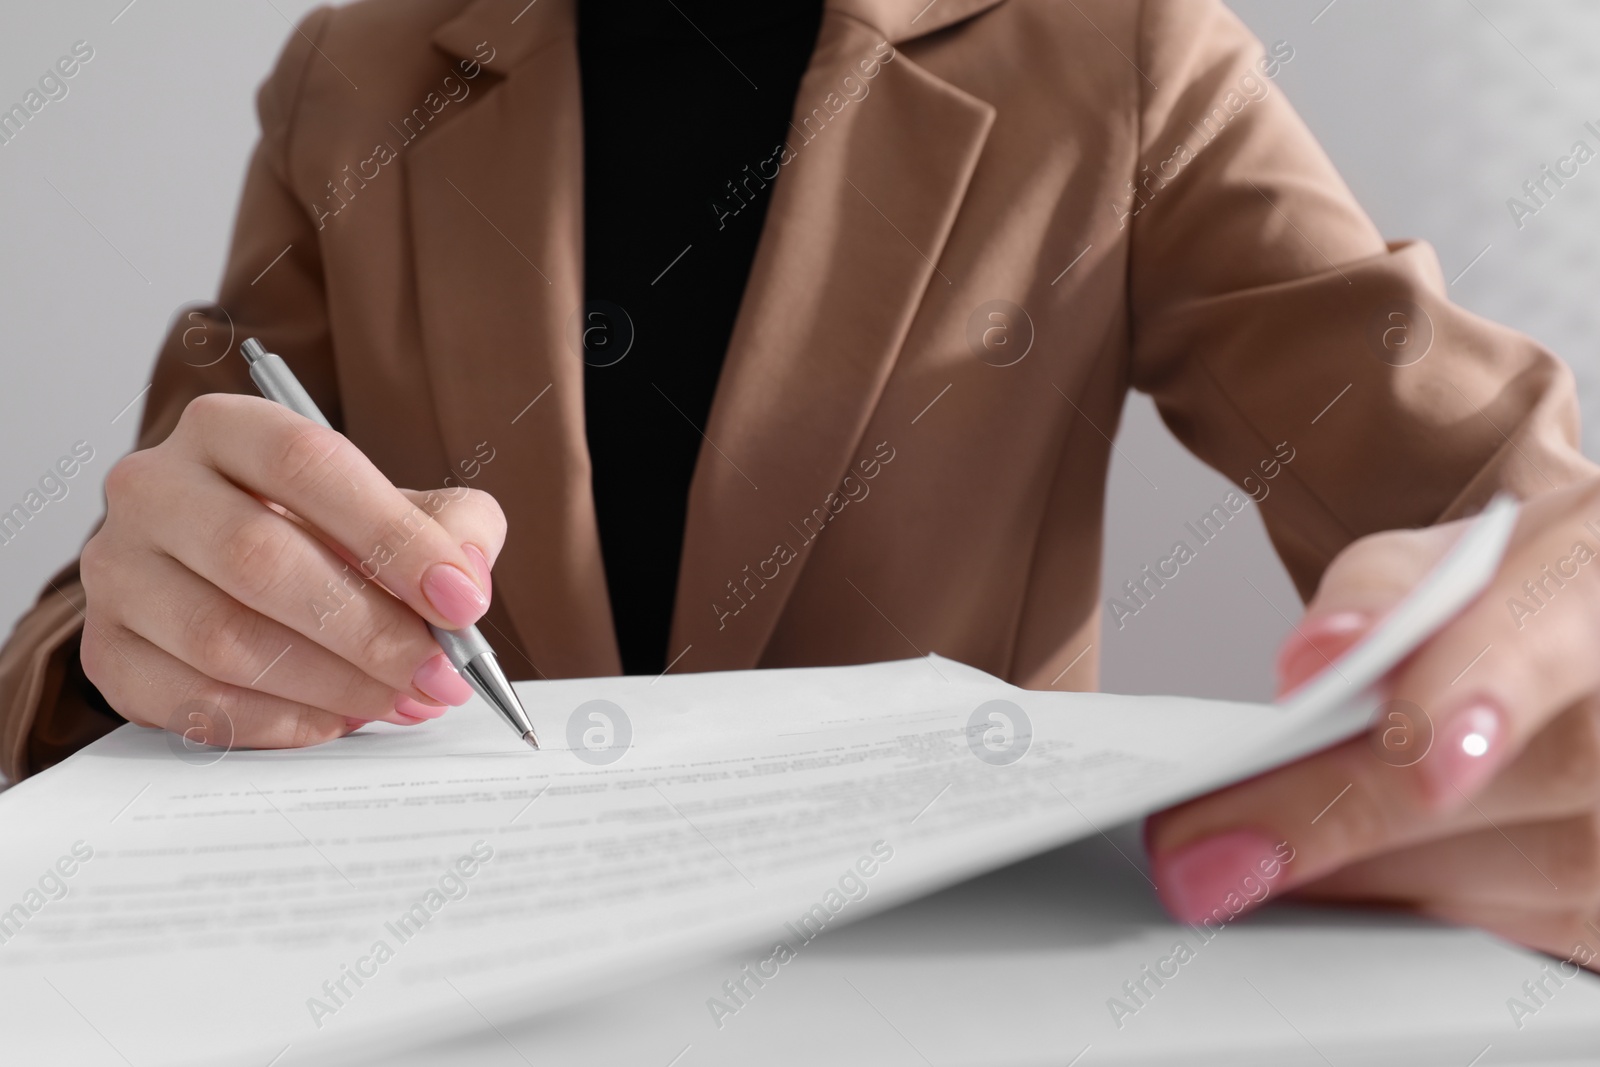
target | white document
[
  {"x": 169, "y": 905},
  {"x": 1023, "y": 967}
]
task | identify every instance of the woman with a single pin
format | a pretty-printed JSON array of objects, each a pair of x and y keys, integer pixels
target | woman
[{"x": 797, "y": 336}]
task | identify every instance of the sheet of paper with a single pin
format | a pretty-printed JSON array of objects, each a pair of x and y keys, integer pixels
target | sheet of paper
[
  {"x": 173, "y": 905},
  {"x": 1024, "y": 966}
]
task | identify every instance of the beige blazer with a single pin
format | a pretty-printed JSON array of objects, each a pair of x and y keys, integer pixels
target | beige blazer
[{"x": 992, "y": 219}]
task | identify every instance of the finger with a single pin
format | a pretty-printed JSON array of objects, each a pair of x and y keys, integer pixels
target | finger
[
  {"x": 1541, "y": 866},
  {"x": 1315, "y": 643},
  {"x": 472, "y": 516},
  {"x": 151, "y": 687},
  {"x": 318, "y": 474},
  {"x": 181, "y": 613},
  {"x": 1518, "y": 671},
  {"x": 1377, "y": 572},
  {"x": 1360, "y": 586},
  {"x": 1347, "y": 804},
  {"x": 270, "y": 565},
  {"x": 1556, "y": 774},
  {"x": 474, "y": 519},
  {"x": 1301, "y": 821}
]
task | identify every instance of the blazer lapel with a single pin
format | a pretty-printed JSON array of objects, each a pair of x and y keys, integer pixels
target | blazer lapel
[
  {"x": 850, "y": 246},
  {"x": 858, "y": 218},
  {"x": 497, "y": 213}
]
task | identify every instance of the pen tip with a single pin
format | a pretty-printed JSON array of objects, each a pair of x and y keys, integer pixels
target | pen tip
[{"x": 533, "y": 742}]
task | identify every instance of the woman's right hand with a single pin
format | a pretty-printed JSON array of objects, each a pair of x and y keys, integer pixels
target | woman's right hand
[{"x": 258, "y": 583}]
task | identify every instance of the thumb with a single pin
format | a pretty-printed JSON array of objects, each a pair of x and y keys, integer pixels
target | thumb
[
  {"x": 1359, "y": 587},
  {"x": 473, "y": 518}
]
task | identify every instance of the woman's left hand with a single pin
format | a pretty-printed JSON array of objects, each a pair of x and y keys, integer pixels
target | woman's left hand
[{"x": 1475, "y": 798}]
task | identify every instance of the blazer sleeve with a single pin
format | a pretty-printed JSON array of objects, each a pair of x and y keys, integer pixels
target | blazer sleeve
[
  {"x": 1269, "y": 318},
  {"x": 272, "y": 288}
]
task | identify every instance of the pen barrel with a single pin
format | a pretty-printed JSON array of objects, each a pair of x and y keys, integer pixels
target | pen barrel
[
  {"x": 273, "y": 377},
  {"x": 461, "y": 646}
]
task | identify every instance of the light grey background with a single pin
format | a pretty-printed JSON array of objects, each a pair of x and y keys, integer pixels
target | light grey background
[{"x": 116, "y": 204}]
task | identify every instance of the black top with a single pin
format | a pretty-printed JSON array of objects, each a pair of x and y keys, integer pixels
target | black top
[{"x": 679, "y": 97}]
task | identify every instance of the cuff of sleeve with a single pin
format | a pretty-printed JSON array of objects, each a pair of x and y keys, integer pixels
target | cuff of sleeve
[{"x": 44, "y": 717}]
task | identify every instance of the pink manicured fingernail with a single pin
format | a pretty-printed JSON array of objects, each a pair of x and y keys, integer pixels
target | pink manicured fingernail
[
  {"x": 454, "y": 595},
  {"x": 1466, "y": 752},
  {"x": 439, "y": 680},
  {"x": 480, "y": 563},
  {"x": 1217, "y": 877},
  {"x": 1316, "y": 643},
  {"x": 416, "y": 709}
]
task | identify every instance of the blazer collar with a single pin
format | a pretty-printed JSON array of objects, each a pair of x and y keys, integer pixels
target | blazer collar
[
  {"x": 904, "y": 20},
  {"x": 516, "y": 29}
]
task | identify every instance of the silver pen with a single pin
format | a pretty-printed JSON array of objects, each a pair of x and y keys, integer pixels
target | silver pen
[{"x": 466, "y": 649}]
